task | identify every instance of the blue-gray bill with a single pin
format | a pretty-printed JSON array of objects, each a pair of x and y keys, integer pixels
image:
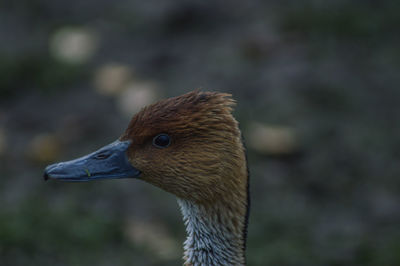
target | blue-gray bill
[{"x": 110, "y": 162}]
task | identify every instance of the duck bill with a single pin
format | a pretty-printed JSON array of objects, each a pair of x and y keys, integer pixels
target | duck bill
[{"x": 108, "y": 162}]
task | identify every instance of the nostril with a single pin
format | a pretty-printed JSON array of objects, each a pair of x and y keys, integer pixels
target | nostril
[{"x": 102, "y": 156}]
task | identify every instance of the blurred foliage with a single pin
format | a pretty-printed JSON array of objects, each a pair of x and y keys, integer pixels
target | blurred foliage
[
  {"x": 34, "y": 228},
  {"x": 351, "y": 21},
  {"x": 325, "y": 72},
  {"x": 36, "y": 73}
]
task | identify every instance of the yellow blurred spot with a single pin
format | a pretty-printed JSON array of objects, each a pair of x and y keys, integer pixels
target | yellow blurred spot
[
  {"x": 111, "y": 79},
  {"x": 137, "y": 95},
  {"x": 73, "y": 45},
  {"x": 272, "y": 140},
  {"x": 44, "y": 148},
  {"x": 153, "y": 236}
]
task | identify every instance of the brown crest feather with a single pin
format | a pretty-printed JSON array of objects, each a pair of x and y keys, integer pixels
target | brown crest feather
[{"x": 206, "y": 159}]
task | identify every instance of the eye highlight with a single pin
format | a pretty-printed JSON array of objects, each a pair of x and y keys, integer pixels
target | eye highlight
[{"x": 161, "y": 140}]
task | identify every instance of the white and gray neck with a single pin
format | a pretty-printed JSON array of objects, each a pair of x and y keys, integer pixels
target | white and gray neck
[{"x": 213, "y": 236}]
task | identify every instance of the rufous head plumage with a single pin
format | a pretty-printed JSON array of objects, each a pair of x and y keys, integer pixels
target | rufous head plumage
[{"x": 205, "y": 159}]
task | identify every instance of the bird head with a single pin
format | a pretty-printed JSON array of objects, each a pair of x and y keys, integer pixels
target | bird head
[{"x": 188, "y": 145}]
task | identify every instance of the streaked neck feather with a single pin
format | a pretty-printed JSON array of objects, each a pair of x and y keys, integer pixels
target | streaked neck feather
[{"x": 213, "y": 236}]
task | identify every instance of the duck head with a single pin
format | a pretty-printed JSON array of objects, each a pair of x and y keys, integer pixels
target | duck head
[{"x": 189, "y": 145}]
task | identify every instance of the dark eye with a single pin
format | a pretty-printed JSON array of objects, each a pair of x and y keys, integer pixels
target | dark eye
[{"x": 161, "y": 140}]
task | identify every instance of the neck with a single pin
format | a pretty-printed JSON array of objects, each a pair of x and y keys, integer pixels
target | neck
[{"x": 215, "y": 233}]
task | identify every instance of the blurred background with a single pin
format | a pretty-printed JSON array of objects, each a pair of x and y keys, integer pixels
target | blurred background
[{"x": 317, "y": 85}]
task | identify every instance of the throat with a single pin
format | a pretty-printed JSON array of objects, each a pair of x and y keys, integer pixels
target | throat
[{"x": 215, "y": 234}]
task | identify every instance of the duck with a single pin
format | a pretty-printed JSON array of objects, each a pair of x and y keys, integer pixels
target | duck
[{"x": 190, "y": 146}]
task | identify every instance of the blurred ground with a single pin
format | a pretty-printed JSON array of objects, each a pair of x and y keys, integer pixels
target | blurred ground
[{"x": 317, "y": 85}]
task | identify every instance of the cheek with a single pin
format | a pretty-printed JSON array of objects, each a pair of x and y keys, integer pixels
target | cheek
[
  {"x": 188, "y": 175},
  {"x": 184, "y": 180},
  {"x": 153, "y": 163}
]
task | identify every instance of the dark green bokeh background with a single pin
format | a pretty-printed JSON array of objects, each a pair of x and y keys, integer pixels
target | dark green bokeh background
[{"x": 327, "y": 70}]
